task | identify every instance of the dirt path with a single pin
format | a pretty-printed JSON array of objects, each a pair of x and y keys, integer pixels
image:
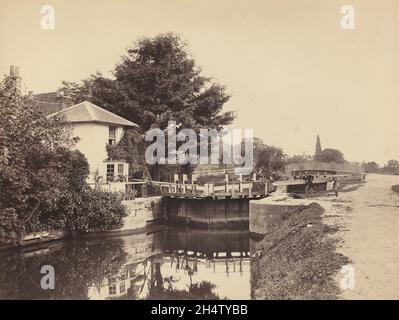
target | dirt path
[{"x": 368, "y": 221}]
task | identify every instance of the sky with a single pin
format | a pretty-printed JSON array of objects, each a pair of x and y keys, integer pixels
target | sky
[{"x": 290, "y": 68}]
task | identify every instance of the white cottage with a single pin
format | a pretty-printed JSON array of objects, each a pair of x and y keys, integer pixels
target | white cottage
[{"x": 97, "y": 128}]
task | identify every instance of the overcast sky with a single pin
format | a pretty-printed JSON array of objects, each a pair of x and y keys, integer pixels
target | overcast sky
[{"x": 293, "y": 72}]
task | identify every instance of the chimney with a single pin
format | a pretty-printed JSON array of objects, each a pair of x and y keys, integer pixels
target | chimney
[{"x": 15, "y": 77}]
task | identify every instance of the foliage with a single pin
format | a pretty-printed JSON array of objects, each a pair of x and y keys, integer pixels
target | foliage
[
  {"x": 371, "y": 167},
  {"x": 29, "y": 170},
  {"x": 269, "y": 159},
  {"x": 130, "y": 145},
  {"x": 297, "y": 259},
  {"x": 78, "y": 265},
  {"x": 213, "y": 178},
  {"x": 79, "y": 207},
  {"x": 330, "y": 155},
  {"x": 131, "y": 148},
  {"x": 392, "y": 167},
  {"x": 197, "y": 291},
  {"x": 297, "y": 159},
  {"x": 157, "y": 81},
  {"x": 88, "y": 210}
]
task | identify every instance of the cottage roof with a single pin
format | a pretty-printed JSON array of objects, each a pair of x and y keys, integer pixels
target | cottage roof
[
  {"x": 88, "y": 112},
  {"x": 50, "y": 102}
]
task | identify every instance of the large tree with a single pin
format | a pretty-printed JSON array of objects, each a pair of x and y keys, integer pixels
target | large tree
[
  {"x": 29, "y": 170},
  {"x": 157, "y": 81},
  {"x": 371, "y": 166},
  {"x": 271, "y": 160},
  {"x": 392, "y": 167},
  {"x": 330, "y": 155}
]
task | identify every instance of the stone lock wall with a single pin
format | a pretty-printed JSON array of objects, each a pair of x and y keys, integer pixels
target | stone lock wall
[
  {"x": 265, "y": 211},
  {"x": 141, "y": 212}
]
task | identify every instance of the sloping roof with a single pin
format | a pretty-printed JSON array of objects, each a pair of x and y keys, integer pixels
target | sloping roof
[
  {"x": 89, "y": 112},
  {"x": 50, "y": 102}
]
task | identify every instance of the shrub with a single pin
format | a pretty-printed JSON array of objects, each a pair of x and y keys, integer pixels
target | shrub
[
  {"x": 298, "y": 260},
  {"x": 88, "y": 210}
]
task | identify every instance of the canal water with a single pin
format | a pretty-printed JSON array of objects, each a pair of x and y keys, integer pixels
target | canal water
[{"x": 169, "y": 263}]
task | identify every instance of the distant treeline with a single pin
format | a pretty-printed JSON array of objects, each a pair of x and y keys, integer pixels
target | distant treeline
[{"x": 391, "y": 167}]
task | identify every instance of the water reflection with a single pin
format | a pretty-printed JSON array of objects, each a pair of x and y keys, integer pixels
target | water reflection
[{"x": 172, "y": 263}]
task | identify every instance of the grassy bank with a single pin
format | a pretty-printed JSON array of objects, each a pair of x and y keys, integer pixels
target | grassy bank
[
  {"x": 395, "y": 188},
  {"x": 297, "y": 258}
]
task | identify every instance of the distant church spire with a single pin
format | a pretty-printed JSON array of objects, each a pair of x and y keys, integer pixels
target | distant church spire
[{"x": 318, "y": 146}]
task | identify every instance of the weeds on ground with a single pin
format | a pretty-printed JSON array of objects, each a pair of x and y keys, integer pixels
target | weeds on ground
[{"x": 298, "y": 260}]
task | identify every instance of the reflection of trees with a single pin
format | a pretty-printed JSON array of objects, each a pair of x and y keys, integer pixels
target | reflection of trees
[
  {"x": 200, "y": 290},
  {"x": 160, "y": 289},
  {"x": 203, "y": 290},
  {"x": 78, "y": 265},
  {"x": 92, "y": 266}
]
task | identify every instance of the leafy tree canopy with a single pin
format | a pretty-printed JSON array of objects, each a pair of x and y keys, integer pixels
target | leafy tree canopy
[
  {"x": 330, "y": 155},
  {"x": 30, "y": 174},
  {"x": 298, "y": 159},
  {"x": 371, "y": 166},
  {"x": 157, "y": 81},
  {"x": 269, "y": 159},
  {"x": 392, "y": 166}
]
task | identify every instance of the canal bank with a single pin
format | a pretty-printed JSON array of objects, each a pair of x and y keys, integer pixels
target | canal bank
[
  {"x": 357, "y": 229},
  {"x": 297, "y": 256},
  {"x": 142, "y": 215}
]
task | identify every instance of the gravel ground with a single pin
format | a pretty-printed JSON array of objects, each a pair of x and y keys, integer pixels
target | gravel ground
[{"x": 368, "y": 232}]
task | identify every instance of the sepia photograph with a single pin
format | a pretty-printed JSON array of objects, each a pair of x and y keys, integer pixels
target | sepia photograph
[{"x": 218, "y": 150}]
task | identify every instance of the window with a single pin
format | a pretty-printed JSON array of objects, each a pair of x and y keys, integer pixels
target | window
[
  {"x": 120, "y": 168},
  {"x": 122, "y": 287},
  {"x": 112, "y": 136},
  {"x": 112, "y": 289},
  {"x": 110, "y": 172}
]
